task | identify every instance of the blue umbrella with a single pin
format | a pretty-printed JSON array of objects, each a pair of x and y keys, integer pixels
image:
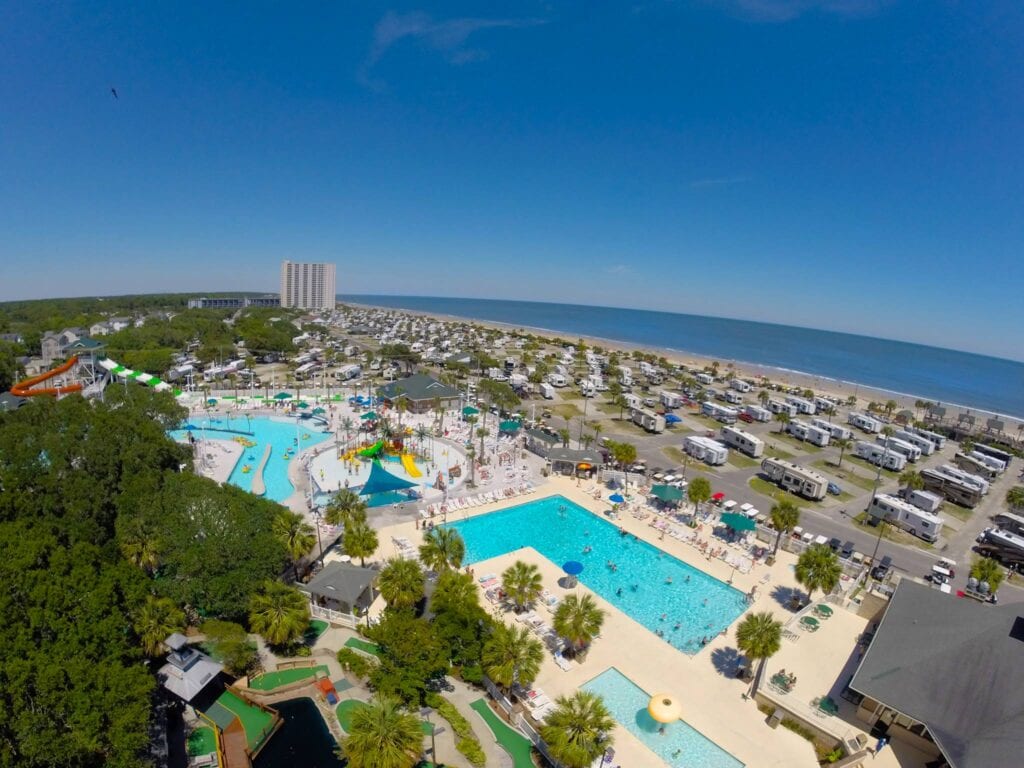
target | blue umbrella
[
  {"x": 616, "y": 498},
  {"x": 573, "y": 568},
  {"x": 671, "y": 418}
]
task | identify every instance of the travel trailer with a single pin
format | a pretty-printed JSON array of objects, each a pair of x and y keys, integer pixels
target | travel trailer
[
  {"x": 744, "y": 442},
  {"x": 740, "y": 385},
  {"x": 927, "y": 447},
  {"x": 939, "y": 441},
  {"x": 879, "y": 455},
  {"x": 777, "y": 406},
  {"x": 803, "y": 406},
  {"x": 732, "y": 396},
  {"x": 926, "y": 500},
  {"x": 864, "y": 423},
  {"x": 758, "y": 413},
  {"x": 912, "y": 452},
  {"x": 720, "y": 413},
  {"x": 916, "y": 522},
  {"x": 547, "y": 391},
  {"x": 795, "y": 479},
  {"x": 671, "y": 399},
  {"x": 835, "y": 431},
  {"x": 649, "y": 420},
  {"x": 813, "y": 435},
  {"x": 705, "y": 378},
  {"x": 705, "y": 449}
]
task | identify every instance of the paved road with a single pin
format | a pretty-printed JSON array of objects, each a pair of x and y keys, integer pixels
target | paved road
[{"x": 833, "y": 518}]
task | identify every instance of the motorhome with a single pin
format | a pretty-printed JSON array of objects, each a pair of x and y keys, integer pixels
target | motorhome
[
  {"x": 1006, "y": 546},
  {"x": 970, "y": 463},
  {"x": 740, "y": 385},
  {"x": 213, "y": 373},
  {"x": 557, "y": 380},
  {"x": 757, "y": 413},
  {"x": 795, "y": 479},
  {"x": 705, "y": 378},
  {"x": 927, "y": 447},
  {"x": 989, "y": 461},
  {"x": 864, "y": 423},
  {"x": 671, "y": 399},
  {"x": 547, "y": 391},
  {"x": 181, "y": 372},
  {"x": 777, "y": 406},
  {"x": 926, "y": 500},
  {"x": 803, "y": 405},
  {"x": 995, "y": 453},
  {"x": 912, "y": 452},
  {"x": 719, "y": 412},
  {"x": 633, "y": 401},
  {"x": 348, "y": 372},
  {"x": 939, "y": 441},
  {"x": 951, "y": 488},
  {"x": 705, "y": 449},
  {"x": 835, "y": 431},
  {"x": 879, "y": 455},
  {"x": 648, "y": 419},
  {"x": 916, "y": 522},
  {"x": 1008, "y": 521},
  {"x": 744, "y": 442},
  {"x": 625, "y": 376},
  {"x": 519, "y": 381},
  {"x": 803, "y": 431},
  {"x": 732, "y": 396},
  {"x": 965, "y": 476}
]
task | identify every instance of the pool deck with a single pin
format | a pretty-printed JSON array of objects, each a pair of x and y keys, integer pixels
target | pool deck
[
  {"x": 713, "y": 699},
  {"x": 258, "y": 486}
]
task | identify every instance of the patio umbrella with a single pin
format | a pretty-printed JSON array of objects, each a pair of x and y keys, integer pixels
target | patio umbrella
[
  {"x": 573, "y": 567},
  {"x": 318, "y": 411},
  {"x": 368, "y": 415},
  {"x": 283, "y": 396},
  {"x": 509, "y": 426},
  {"x": 738, "y": 522},
  {"x": 616, "y": 498},
  {"x": 718, "y": 496},
  {"x": 469, "y": 410},
  {"x": 212, "y": 401},
  {"x": 667, "y": 492},
  {"x": 664, "y": 708}
]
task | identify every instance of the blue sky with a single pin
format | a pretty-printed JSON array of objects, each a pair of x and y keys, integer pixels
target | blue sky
[{"x": 844, "y": 164}]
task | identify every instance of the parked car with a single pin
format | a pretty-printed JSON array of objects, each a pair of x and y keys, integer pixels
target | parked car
[
  {"x": 881, "y": 570},
  {"x": 834, "y": 489},
  {"x": 847, "y": 551},
  {"x": 746, "y": 417},
  {"x": 834, "y": 544}
]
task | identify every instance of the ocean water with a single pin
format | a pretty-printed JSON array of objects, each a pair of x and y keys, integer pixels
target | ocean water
[{"x": 941, "y": 375}]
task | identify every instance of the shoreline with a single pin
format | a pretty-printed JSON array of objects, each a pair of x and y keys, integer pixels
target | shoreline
[{"x": 820, "y": 383}]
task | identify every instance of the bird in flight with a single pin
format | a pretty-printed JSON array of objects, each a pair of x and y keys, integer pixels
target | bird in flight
[{"x": 114, "y": 91}]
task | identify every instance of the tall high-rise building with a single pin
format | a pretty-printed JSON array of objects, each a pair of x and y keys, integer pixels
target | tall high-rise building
[{"x": 307, "y": 286}]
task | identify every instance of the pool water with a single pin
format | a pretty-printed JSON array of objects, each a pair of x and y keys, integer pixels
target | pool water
[
  {"x": 693, "y": 606},
  {"x": 284, "y": 435},
  {"x": 681, "y": 746},
  {"x": 303, "y": 739}
]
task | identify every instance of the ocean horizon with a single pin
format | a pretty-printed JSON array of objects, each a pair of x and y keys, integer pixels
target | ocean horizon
[{"x": 946, "y": 376}]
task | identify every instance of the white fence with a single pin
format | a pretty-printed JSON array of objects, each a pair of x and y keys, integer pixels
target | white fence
[{"x": 334, "y": 617}]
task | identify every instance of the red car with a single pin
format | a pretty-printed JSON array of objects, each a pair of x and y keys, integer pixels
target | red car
[{"x": 746, "y": 417}]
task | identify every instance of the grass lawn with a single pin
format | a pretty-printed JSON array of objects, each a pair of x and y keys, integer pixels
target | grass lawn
[
  {"x": 202, "y": 741},
  {"x": 743, "y": 462},
  {"x": 892, "y": 533},
  {"x": 345, "y": 711},
  {"x": 777, "y": 453},
  {"x": 513, "y": 742},
  {"x": 609, "y": 408},
  {"x": 256, "y": 722},
  {"x": 802, "y": 445},
  {"x": 856, "y": 460},
  {"x": 571, "y": 394},
  {"x": 363, "y": 645},
  {"x": 271, "y": 680},
  {"x": 316, "y": 628},
  {"x": 854, "y": 478},
  {"x": 566, "y": 410},
  {"x": 775, "y": 493},
  {"x": 707, "y": 421},
  {"x": 960, "y": 513}
]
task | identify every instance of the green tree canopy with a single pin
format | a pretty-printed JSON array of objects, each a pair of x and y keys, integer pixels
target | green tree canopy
[
  {"x": 759, "y": 637},
  {"x": 522, "y": 582},
  {"x": 818, "y": 568},
  {"x": 278, "y": 612},
  {"x": 785, "y": 516},
  {"x": 578, "y": 730},
  {"x": 512, "y": 655},
  {"x": 442, "y": 549},
  {"x": 401, "y": 583},
  {"x": 411, "y": 655},
  {"x": 578, "y": 619},
  {"x": 383, "y": 735}
]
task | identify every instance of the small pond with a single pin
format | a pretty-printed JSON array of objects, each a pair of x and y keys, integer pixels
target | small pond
[{"x": 303, "y": 740}]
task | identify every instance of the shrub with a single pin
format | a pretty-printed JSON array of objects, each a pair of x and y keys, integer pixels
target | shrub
[
  {"x": 472, "y": 751},
  {"x": 352, "y": 661},
  {"x": 472, "y": 674},
  {"x": 455, "y": 719},
  {"x": 798, "y": 728}
]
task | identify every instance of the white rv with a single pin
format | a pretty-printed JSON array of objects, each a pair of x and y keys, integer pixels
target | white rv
[
  {"x": 813, "y": 435},
  {"x": 917, "y": 522},
  {"x": 927, "y": 447},
  {"x": 825, "y": 404},
  {"x": 777, "y": 406},
  {"x": 970, "y": 478},
  {"x": 939, "y": 441},
  {"x": 732, "y": 396},
  {"x": 705, "y": 378},
  {"x": 719, "y": 412},
  {"x": 983, "y": 459},
  {"x": 864, "y": 423},
  {"x": 348, "y": 372},
  {"x": 705, "y": 449},
  {"x": 926, "y": 500},
  {"x": 649, "y": 420},
  {"x": 758, "y": 413},
  {"x": 912, "y": 452},
  {"x": 803, "y": 406},
  {"x": 740, "y": 385},
  {"x": 671, "y": 399},
  {"x": 557, "y": 379},
  {"x": 951, "y": 488},
  {"x": 744, "y": 442},
  {"x": 633, "y": 401},
  {"x": 879, "y": 455},
  {"x": 547, "y": 391},
  {"x": 795, "y": 479},
  {"x": 835, "y": 431}
]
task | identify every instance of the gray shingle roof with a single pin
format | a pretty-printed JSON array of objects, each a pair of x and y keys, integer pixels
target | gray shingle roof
[
  {"x": 953, "y": 665},
  {"x": 341, "y": 582},
  {"x": 419, "y": 386}
]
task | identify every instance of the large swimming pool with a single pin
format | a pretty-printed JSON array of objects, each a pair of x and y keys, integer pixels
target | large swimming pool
[
  {"x": 681, "y": 746},
  {"x": 681, "y": 603},
  {"x": 286, "y": 436}
]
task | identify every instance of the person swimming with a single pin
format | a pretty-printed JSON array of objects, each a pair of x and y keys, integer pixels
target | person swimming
[
  {"x": 668, "y": 580},
  {"x": 618, "y": 592},
  {"x": 634, "y": 587},
  {"x": 678, "y": 625},
  {"x": 587, "y": 549}
]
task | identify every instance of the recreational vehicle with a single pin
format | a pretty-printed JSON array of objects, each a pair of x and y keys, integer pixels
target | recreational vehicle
[
  {"x": 777, "y": 406},
  {"x": 926, "y": 500},
  {"x": 556, "y": 380},
  {"x": 1006, "y": 546},
  {"x": 740, "y": 385},
  {"x": 995, "y": 453},
  {"x": 813, "y": 435},
  {"x": 649, "y": 420},
  {"x": 927, "y": 447},
  {"x": 719, "y": 412},
  {"x": 864, "y": 423},
  {"x": 825, "y": 404},
  {"x": 912, "y": 452},
  {"x": 989, "y": 461},
  {"x": 1010, "y": 522},
  {"x": 547, "y": 391},
  {"x": 879, "y": 455},
  {"x": 914, "y": 521},
  {"x": 671, "y": 399},
  {"x": 732, "y": 396},
  {"x": 803, "y": 406},
  {"x": 633, "y": 401},
  {"x": 705, "y": 449},
  {"x": 795, "y": 479},
  {"x": 835, "y": 431},
  {"x": 951, "y": 488},
  {"x": 970, "y": 478},
  {"x": 744, "y": 442},
  {"x": 705, "y": 378},
  {"x": 939, "y": 441},
  {"x": 758, "y": 413},
  {"x": 970, "y": 463},
  {"x": 348, "y": 372}
]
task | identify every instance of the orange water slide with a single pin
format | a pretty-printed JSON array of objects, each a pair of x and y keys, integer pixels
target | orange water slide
[{"x": 25, "y": 388}]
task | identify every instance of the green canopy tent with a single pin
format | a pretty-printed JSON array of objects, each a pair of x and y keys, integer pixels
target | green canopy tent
[
  {"x": 738, "y": 522},
  {"x": 302, "y": 404},
  {"x": 667, "y": 493},
  {"x": 469, "y": 410},
  {"x": 382, "y": 481},
  {"x": 510, "y": 426},
  {"x": 368, "y": 415},
  {"x": 283, "y": 396},
  {"x": 319, "y": 411}
]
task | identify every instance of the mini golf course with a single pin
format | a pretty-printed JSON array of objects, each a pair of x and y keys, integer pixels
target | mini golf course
[
  {"x": 268, "y": 681},
  {"x": 513, "y": 742}
]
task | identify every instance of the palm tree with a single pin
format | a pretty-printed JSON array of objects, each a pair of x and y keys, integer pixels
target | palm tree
[
  {"x": 578, "y": 731},
  {"x": 442, "y": 548},
  {"x": 382, "y": 735},
  {"x": 851, "y": 401},
  {"x": 911, "y": 480},
  {"x": 890, "y": 407},
  {"x": 512, "y": 656},
  {"x": 759, "y": 636},
  {"x": 988, "y": 570},
  {"x": 578, "y": 620},
  {"x": 783, "y": 418},
  {"x": 401, "y": 583},
  {"x": 157, "y": 619},
  {"x": 348, "y": 425},
  {"x": 564, "y": 434},
  {"x": 842, "y": 443},
  {"x": 438, "y": 410},
  {"x": 597, "y": 433},
  {"x": 698, "y": 491},
  {"x": 522, "y": 583},
  {"x": 785, "y": 517},
  {"x": 818, "y": 568},
  {"x": 140, "y": 547},
  {"x": 297, "y": 536},
  {"x": 360, "y": 540},
  {"x": 345, "y": 507},
  {"x": 455, "y": 591},
  {"x": 1015, "y": 497},
  {"x": 279, "y": 613},
  {"x": 422, "y": 433},
  {"x": 763, "y": 397},
  {"x": 482, "y": 432}
]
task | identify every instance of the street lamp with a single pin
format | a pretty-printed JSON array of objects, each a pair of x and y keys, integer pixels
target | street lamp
[{"x": 426, "y": 712}]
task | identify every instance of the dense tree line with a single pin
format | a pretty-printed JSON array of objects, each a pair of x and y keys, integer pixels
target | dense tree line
[{"x": 106, "y": 541}]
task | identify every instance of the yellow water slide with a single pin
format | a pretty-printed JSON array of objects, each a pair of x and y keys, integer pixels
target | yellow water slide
[{"x": 409, "y": 462}]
